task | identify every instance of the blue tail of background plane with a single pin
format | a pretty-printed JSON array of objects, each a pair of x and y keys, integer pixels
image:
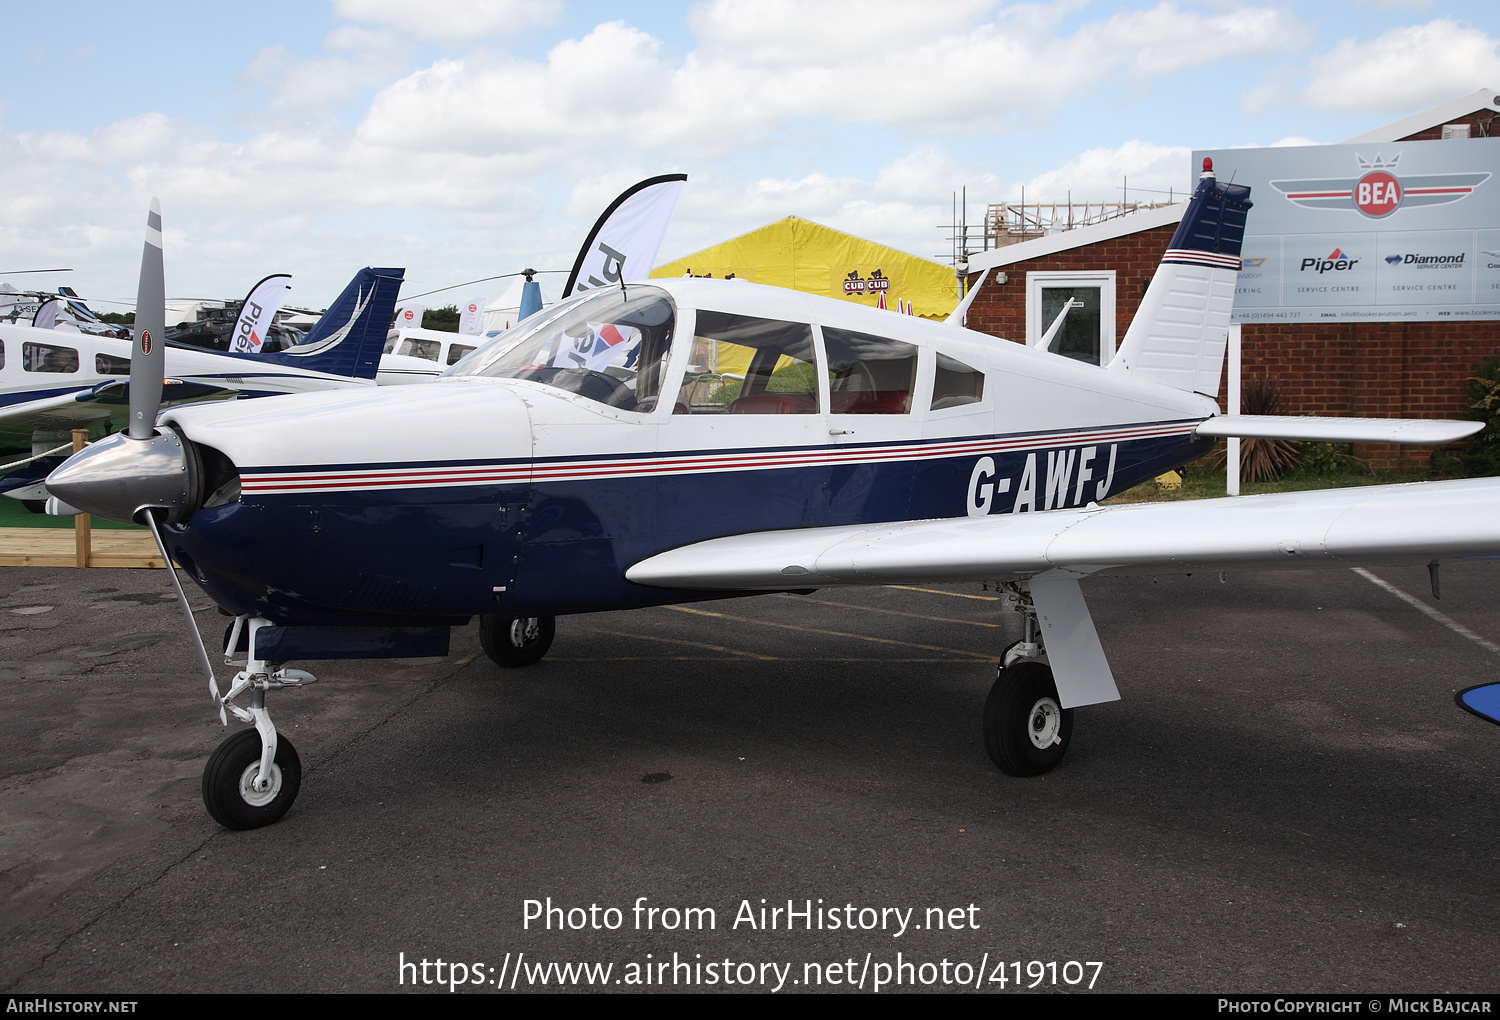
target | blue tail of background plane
[{"x": 350, "y": 337}]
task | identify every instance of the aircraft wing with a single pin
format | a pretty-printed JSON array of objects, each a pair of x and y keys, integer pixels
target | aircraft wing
[
  {"x": 80, "y": 408},
  {"x": 1413, "y": 522}
]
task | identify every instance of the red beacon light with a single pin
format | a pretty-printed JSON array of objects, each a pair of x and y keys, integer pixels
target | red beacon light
[{"x": 1208, "y": 167}]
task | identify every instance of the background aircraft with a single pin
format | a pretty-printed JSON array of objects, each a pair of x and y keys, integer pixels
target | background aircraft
[
  {"x": 595, "y": 459},
  {"x": 55, "y": 380}
]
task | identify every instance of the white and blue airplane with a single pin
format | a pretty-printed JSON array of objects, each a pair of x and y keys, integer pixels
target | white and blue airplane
[
  {"x": 56, "y": 380},
  {"x": 682, "y": 440}
]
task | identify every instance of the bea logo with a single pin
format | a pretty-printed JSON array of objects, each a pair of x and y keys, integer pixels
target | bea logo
[{"x": 1377, "y": 194}]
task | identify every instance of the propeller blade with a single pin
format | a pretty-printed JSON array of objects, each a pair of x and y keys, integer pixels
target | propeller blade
[{"x": 148, "y": 351}]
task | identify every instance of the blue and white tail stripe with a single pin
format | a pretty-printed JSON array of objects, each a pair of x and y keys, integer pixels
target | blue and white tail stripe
[{"x": 257, "y": 482}]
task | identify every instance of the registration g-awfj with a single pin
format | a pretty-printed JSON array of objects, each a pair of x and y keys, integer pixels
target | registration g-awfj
[{"x": 680, "y": 440}]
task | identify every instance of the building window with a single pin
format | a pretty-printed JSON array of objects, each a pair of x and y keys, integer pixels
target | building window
[{"x": 1087, "y": 331}]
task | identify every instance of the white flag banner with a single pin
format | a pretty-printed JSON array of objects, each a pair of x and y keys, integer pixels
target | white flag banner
[
  {"x": 471, "y": 318},
  {"x": 260, "y": 308},
  {"x": 410, "y": 317},
  {"x": 47, "y": 316},
  {"x": 623, "y": 245}
]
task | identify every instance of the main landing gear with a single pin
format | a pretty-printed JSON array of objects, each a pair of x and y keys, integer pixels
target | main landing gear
[
  {"x": 254, "y": 775},
  {"x": 516, "y": 642},
  {"x": 1026, "y": 729}
]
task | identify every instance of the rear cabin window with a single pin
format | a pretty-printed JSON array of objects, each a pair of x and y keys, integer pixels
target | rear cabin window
[
  {"x": 610, "y": 346},
  {"x": 955, "y": 384},
  {"x": 48, "y": 358},
  {"x": 868, "y": 374},
  {"x": 108, "y": 364},
  {"x": 427, "y": 350},
  {"x": 456, "y": 353},
  {"x": 746, "y": 365}
]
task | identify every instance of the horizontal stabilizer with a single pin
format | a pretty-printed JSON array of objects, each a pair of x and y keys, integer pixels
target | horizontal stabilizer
[
  {"x": 1415, "y": 522},
  {"x": 1425, "y": 431}
]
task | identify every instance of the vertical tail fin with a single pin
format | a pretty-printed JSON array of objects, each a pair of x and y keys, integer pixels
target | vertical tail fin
[
  {"x": 350, "y": 337},
  {"x": 1179, "y": 332}
]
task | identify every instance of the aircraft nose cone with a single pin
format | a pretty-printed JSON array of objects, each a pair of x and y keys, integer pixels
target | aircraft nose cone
[{"x": 117, "y": 477}]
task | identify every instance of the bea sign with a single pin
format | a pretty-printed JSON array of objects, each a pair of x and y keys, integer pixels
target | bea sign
[{"x": 1377, "y": 194}]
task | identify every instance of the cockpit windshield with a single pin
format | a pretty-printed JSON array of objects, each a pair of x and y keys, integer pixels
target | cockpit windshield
[{"x": 610, "y": 346}]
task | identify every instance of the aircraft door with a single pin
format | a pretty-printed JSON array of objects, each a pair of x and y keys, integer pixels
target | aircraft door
[
  {"x": 746, "y": 431},
  {"x": 871, "y": 420}
]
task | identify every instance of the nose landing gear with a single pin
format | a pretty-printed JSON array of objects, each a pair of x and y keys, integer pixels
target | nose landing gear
[{"x": 252, "y": 777}]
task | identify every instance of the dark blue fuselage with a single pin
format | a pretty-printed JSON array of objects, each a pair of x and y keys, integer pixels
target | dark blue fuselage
[{"x": 436, "y": 556}]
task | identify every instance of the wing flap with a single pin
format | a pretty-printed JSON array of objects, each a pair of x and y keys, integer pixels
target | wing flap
[
  {"x": 1424, "y": 431},
  {"x": 1332, "y": 527}
]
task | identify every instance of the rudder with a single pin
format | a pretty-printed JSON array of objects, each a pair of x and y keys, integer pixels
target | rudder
[
  {"x": 350, "y": 337},
  {"x": 1178, "y": 335}
]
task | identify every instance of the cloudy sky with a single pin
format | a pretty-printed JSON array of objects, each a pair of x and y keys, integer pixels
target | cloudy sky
[{"x": 466, "y": 138}]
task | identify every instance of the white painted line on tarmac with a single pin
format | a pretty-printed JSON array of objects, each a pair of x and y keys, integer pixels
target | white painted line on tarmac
[{"x": 1420, "y": 606}]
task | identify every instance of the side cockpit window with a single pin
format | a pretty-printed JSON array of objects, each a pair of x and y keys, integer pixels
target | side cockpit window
[
  {"x": 610, "y": 346},
  {"x": 868, "y": 374},
  {"x": 747, "y": 365},
  {"x": 955, "y": 384}
]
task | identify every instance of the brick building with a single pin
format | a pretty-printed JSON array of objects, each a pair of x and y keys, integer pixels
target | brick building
[{"x": 1363, "y": 369}]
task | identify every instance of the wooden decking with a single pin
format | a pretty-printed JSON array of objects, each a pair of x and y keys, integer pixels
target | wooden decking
[{"x": 58, "y": 547}]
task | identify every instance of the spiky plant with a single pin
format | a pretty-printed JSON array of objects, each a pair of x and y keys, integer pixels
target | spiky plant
[{"x": 1261, "y": 460}]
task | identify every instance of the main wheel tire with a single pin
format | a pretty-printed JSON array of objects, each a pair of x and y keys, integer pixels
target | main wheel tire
[
  {"x": 513, "y": 643},
  {"x": 36, "y": 506},
  {"x": 228, "y": 792},
  {"x": 1026, "y": 729}
]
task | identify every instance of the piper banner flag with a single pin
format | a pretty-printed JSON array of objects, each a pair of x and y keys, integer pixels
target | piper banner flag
[
  {"x": 260, "y": 308},
  {"x": 1389, "y": 231},
  {"x": 410, "y": 317},
  {"x": 623, "y": 245},
  {"x": 471, "y": 318}
]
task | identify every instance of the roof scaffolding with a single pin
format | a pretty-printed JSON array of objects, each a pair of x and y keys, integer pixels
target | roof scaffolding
[{"x": 1011, "y": 222}]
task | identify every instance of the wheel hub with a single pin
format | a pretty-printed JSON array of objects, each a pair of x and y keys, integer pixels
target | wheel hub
[
  {"x": 523, "y": 632},
  {"x": 1045, "y": 724},
  {"x": 259, "y": 798}
]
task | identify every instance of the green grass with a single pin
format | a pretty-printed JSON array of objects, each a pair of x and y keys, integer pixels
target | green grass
[
  {"x": 14, "y": 515},
  {"x": 1208, "y": 483}
]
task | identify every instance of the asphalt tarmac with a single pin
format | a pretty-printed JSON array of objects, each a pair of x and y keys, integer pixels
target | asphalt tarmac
[{"x": 1285, "y": 800}]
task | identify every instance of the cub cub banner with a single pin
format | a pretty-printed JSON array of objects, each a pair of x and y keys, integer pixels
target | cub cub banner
[
  {"x": 622, "y": 246},
  {"x": 260, "y": 308}
]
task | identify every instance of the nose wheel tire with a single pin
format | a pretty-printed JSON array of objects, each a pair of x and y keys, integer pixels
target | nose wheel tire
[
  {"x": 229, "y": 790},
  {"x": 516, "y": 642},
  {"x": 1026, "y": 729}
]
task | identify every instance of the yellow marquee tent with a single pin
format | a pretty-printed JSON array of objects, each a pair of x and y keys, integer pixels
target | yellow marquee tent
[{"x": 808, "y": 256}]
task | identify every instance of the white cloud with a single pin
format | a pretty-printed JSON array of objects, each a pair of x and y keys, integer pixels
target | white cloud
[
  {"x": 1154, "y": 173},
  {"x": 452, "y": 21},
  {"x": 1407, "y": 67},
  {"x": 763, "y": 64}
]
